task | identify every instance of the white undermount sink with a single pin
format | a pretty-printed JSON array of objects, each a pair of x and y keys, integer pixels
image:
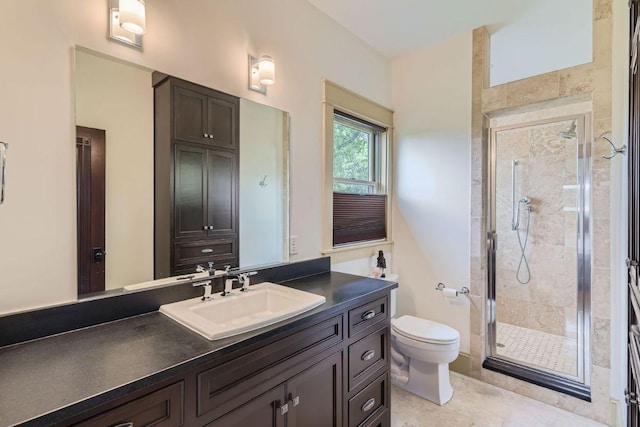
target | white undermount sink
[{"x": 266, "y": 303}]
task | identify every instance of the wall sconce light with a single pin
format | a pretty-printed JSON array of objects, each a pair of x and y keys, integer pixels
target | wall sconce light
[
  {"x": 127, "y": 22},
  {"x": 262, "y": 73}
]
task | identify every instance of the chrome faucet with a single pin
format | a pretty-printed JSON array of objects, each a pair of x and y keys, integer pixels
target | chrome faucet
[
  {"x": 244, "y": 280},
  {"x": 207, "y": 289},
  {"x": 202, "y": 269}
]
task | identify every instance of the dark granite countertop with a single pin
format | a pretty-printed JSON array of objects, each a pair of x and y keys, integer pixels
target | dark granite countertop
[{"x": 45, "y": 381}]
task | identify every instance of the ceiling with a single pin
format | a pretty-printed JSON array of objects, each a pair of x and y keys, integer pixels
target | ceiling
[{"x": 397, "y": 27}]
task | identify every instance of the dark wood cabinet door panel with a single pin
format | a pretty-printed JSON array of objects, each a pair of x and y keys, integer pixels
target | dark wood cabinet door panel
[
  {"x": 190, "y": 115},
  {"x": 368, "y": 316},
  {"x": 162, "y": 408},
  {"x": 231, "y": 380},
  {"x": 383, "y": 420},
  {"x": 190, "y": 191},
  {"x": 222, "y": 192},
  {"x": 222, "y": 118},
  {"x": 218, "y": 251},
  {"x": 367, "y": 356},
  {"x": 262, "y": 411},
  {"x": 370, "y": 402},
  {"x": 315, "y": 396}
]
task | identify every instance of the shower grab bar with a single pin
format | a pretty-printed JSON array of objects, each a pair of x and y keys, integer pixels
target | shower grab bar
[
  {"x": 3, "y": 166},
  {"x": 514, "y": 220}
]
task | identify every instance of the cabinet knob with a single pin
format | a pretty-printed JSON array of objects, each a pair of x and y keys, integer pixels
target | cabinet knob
[
  {"x": 206, "y": 135},
  {"x": 295, "y": 401},
  {"x": 368, "y": 405},
  {"x": 211, "y": 136},
  {"x": 368, "y": 355},
  {"x": 369, "y": 314}
]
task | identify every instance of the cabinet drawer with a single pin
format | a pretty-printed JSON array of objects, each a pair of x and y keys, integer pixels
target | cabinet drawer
[
  {"x": 367, "y": 356},
  {"x": 162, "y": 408},
  {"x": 222, "y": 386},
  {"x": 368, "y": 316},
  {"x": 369, "y": 403},
  {"x": 216, "y": 250},
  {"x": 383, "y": 420}
]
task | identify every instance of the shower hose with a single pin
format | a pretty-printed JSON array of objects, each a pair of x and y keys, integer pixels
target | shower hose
[{"x": 523, "y": 246}]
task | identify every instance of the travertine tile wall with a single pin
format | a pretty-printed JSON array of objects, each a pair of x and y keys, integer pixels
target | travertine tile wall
[{"x": 592, "y": 80}]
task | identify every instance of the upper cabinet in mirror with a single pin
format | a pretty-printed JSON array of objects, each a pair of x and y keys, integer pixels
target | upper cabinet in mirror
[{"x": 171, "y": 174}]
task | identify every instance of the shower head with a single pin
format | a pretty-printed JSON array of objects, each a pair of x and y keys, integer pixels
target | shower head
[{"x": 570, "y": 132}]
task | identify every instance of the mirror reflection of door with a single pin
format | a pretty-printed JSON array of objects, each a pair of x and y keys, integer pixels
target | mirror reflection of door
[{"x": 90, "y": 194}]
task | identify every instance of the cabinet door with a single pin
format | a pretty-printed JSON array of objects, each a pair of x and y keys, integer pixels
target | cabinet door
[
  {"x": 190, "y": 188},
  {"x": 222, "y": 122},
  {"x": 262, "y": 411},
  {"x": 190, "y": 116},
  {"x": 222, "y": 192},
  {"x": 315, "y": 395}
]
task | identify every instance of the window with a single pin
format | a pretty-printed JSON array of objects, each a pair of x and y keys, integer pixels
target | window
[{"x": 357, "y": 162}]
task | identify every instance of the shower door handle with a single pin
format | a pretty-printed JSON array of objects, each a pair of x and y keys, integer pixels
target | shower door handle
[{"x": 492, "y": 241}]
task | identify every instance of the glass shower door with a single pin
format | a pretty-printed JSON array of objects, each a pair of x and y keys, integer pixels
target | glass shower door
[{"x": 539, "y": 283}]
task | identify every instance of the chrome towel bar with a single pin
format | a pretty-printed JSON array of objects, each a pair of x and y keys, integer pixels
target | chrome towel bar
[{"x": 3, "y": 168}]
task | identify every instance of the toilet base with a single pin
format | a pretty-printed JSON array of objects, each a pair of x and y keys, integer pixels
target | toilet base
[{"x": 429, "y": 381}]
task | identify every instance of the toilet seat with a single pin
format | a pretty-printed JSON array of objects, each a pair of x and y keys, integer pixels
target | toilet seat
[{"x": 425, "y": 331}]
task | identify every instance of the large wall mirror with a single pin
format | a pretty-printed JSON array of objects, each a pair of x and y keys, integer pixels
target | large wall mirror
[{"x": 116, "y": 99}]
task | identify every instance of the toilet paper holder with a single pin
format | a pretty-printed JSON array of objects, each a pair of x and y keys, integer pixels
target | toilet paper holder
[{"x": 441, "y": 286}]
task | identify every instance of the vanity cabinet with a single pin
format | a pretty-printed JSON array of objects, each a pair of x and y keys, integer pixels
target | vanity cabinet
[
  {"x": 196, "y": 171},
  {"x": 316, "y": 375},
  {"x": 206, "y": 116}
]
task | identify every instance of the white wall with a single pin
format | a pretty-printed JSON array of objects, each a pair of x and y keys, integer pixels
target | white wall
[
  {"x": 551, "y": 36},
  {"x": 118, "y": 98},
  {"x": 432, "y": 101},
  {"x": 202, "y": 41},
  {"x": 261, "y": 206}
]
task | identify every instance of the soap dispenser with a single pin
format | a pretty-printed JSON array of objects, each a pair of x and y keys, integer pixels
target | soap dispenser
[{"x": 381, "y": 264}]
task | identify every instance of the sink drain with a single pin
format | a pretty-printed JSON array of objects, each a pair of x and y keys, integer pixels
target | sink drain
[{"x": 499, "y": 344}]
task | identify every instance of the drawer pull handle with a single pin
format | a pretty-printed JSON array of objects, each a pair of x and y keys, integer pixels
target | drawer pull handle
[
  {"x": 127, "y": 424},
  {"x": 368, "y": 405},
  {"x": 368, "y": 355},
  {"x": 369, "y": 314},
  {"x": 207, "y": 251}
]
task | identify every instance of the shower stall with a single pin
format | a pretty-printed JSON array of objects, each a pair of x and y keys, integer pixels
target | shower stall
[{"x": 539, "y": 252}]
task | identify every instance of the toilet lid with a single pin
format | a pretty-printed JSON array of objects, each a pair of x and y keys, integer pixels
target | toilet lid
[{"x": 424, "y": 330}]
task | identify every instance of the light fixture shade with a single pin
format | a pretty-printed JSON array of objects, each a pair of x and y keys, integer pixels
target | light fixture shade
[
  {"x": 267, "y": 70},
  {"x": 119, "y": 33},
  {"x": 132, "y": 16}
]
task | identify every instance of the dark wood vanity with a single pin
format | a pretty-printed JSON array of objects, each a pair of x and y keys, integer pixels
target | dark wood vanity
[
  {"x": 328, "y": 367},
  {"x": 196, "y": 150}
]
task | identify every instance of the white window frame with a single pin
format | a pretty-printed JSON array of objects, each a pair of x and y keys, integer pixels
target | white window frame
[{"x": 338, "y": 99}]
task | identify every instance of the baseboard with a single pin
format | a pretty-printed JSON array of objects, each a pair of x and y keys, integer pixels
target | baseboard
[{"x": 462, "y": 364}]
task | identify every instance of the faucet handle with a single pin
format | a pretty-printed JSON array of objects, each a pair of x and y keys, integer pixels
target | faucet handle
[
  {"x": 200, "y": 269},
  {"x": 243, "y": 278},
  {"x": 210, "y": 265},
  {"x": 227, "y": 268}
]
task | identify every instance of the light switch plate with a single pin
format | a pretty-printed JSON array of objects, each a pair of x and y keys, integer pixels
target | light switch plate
[{"x": 293, "y": 245}]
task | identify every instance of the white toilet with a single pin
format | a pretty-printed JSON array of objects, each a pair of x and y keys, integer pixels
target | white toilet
[{"x": 421, "y": 351}]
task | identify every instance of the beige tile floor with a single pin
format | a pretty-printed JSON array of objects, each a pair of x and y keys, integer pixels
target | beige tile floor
[
  {"x": 475, "y": 403},
  {"x": 538, "y": 349}
]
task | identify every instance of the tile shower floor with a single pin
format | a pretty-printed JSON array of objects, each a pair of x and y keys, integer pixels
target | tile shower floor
[
  {"x": 539, "y": 349},
  {"x": 475, "y": 403}
]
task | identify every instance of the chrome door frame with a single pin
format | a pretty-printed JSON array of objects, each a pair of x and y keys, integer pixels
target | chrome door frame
[{"x": 557, "y": 381}]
